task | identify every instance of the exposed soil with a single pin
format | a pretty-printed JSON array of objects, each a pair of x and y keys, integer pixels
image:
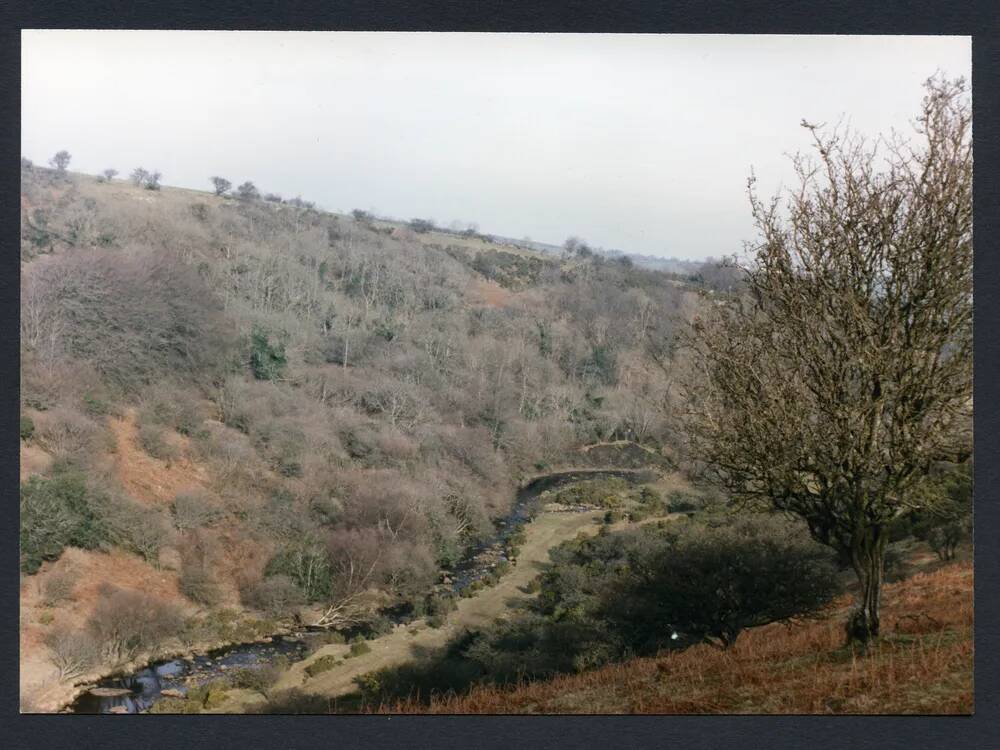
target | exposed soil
[
  {"x": 149, "y": 479},
  {"x": 486, "y": 293}
]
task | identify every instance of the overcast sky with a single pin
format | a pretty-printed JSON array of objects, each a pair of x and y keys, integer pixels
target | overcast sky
[{"x": 642, "y": 143}]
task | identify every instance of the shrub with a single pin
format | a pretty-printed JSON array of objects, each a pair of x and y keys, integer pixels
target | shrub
[
  {"x": 710, "y": 583},
  {"x": 132, "y": 527},
  {"x": 248, "y": 192},
  {"x": 681, "y": 503},
  {"x": 440, "y": 604},
  {"x": 604, "y": 493},
  {"x": 267, "y": 360},
  {"x": 27, "y": 428},
  {"x": 58, "y": 587},
  {"x": 422, "y": 226},
  {"x": 67, "y": 433},
  {"x": 259, "y": 679},
  {"x": 200, "y": 585},
  {"x": 56, "y": 513},
  {"x": 323, "y": 664},
  {"x": 96, "y": 407},
  {"x": 947, "y": 521},
  {"x": 72, "y": 652},
  {"x": 436, "y": 621},
  {"x": 650, "y": 498},
  {"x": 127, "y": 622},
  {"x": 175, "y": 407},
  {"x": 359, "y": 648},
  {"x": 376, "y": 626},
  {"x": 151, "y": 438},
  {"x": 327, "y": 510},
  {"x": 276, "y": 595},
  {"x": 226, "y": 625},
  {"x": 307, "y": 565},
  {"x": 210, "y": 695},
  {"x": 193, "y": 510}
]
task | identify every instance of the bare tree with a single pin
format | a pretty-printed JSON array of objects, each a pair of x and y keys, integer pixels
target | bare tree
[
  {"x": 72, "y": 652},
  {"x": 354, "y": 557},
  {"x": 153, "y": 181},
  {"x": 109, "y": 174},
  {"x": 139, "y": 176},
  {"x": 834, "y": 388},
  {"x": 248, "y": 192},
  {"x": 221, "y": 185},
  {"x": 61, "y": 160}
]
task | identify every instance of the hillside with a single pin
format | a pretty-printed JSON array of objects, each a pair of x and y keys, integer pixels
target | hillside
[
  {"x": 923, "y": 665},
  {"x": 242, "y": 399},
  {"x": 242, "y": 418}
]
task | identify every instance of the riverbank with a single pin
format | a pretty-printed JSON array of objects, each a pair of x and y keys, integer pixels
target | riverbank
[
  {"x": 406, "y": 640},
  {"x": 62, "y": 697},
  {"x": 410, "y": 641}
]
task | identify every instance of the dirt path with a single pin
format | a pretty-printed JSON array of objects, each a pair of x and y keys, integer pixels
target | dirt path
[{"x": 407, "y": 642}]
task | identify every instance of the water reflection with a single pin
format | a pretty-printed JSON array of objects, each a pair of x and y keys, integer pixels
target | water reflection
[{"x": 147, "y": 685}]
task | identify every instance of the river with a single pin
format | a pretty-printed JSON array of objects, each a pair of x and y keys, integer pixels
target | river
[{"x": 141, "y": 689}]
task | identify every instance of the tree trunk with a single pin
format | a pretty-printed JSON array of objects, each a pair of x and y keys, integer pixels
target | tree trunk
[{"x": 867, "y": 558}]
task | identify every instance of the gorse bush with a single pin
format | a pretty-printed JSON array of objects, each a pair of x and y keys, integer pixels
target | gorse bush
[
  {"x": 266, "y": 359},
  {"x": 713, "y": 583},
  {"x": 322, "y": 664},
  {"x": 360, "y": 648},
  {"x": 26, "y": 429},
  {"x": 56, "y": 513}
]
